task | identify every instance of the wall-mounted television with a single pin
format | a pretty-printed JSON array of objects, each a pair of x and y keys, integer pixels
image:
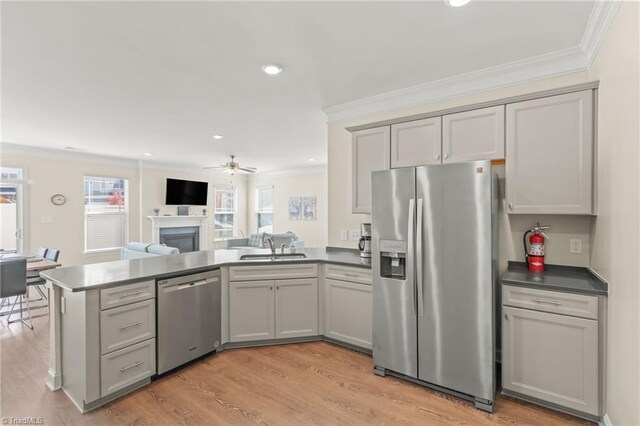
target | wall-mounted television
[{"x": 186, "y": 193}]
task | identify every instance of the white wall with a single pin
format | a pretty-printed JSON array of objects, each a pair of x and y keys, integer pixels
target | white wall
[
  {"x": 49, "y": 172},
  {"x": 312, "y": 182},
  {"x": 48, "y": 175},
  {"x": 511, "y": 226},
  {"x": 616, "y": 231}
]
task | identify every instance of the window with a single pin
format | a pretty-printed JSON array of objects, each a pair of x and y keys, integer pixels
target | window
[
  {"x": 264, "y": 206},
  {"x": 105, "y": 213},
  {"x": 224, "y": 212},
  {"x": 10, "y": 173}
]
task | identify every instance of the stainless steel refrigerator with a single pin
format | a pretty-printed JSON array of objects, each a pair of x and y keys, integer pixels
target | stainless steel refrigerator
[{"x": 434, "y": 249}]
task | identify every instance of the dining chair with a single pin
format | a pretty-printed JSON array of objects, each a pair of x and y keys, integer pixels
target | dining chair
[
  {"x": 52, "y": 254},
  {"x": 13, "y": 283},
  {"x": 42, "y": 251}
]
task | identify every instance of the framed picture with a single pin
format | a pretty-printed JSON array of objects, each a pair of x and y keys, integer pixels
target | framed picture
[
  {"x": 295, "y": 208},
  {"x": 308, "y": 208}
]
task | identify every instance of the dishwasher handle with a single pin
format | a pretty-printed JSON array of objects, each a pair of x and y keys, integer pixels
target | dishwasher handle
[{"x": 166, "y": 288}]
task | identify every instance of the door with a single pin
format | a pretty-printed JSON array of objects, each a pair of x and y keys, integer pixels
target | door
[
  {"x": 394, "y": 311},
  {"x": 550, "y": 141},
  {"x": 296, "y": 308},
  {"x": 416, "y": 143},
  {"x": 551, "y": 357},
  {"x": 454, "y": 277},
  {"x": 473, "y": 135},
  {"x": 251, "y": 311},
  {"x": 11, "y": 217},
  {"x": 370, "y": 152},
  {"x": 348, "y": 312}
]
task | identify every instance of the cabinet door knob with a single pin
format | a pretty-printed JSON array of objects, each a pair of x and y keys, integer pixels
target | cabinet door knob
[
  {"x": 446, "y": 155},
  {"x": 270, "y": 287},
  {"x": 437, "y": 156},
  {"x": 510, "y": 206},
  {"x": 277, "y": 287},
  {"x": 506, "y": 316}
]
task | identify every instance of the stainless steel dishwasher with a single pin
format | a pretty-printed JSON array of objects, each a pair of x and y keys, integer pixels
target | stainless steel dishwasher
[{"x": 189, "y": 322}]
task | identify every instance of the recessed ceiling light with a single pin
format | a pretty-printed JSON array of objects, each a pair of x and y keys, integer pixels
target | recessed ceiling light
[
  {"x": 148, "y": 154},
  {"x": 456, "y": 3},
  {"x": 272, "y": 69},
  {"x": 218, "y": 136},
  {"x": 312, "y": 159}
]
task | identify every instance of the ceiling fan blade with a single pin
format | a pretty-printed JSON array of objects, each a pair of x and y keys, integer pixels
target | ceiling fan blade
[
  {"x": 215, "y": 167},
  {"x": 248, "y": 169}
]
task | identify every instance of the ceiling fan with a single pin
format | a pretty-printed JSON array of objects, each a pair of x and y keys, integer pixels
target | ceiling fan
[{"x": 232, "y": 167}]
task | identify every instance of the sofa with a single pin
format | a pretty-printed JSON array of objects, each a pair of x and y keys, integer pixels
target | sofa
[
  {"x": 136, "y": 250},
  {"x": 259, "y": 240}
]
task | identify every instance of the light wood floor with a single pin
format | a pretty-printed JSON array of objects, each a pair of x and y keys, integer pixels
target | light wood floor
[{"x": 311, "y": 383}]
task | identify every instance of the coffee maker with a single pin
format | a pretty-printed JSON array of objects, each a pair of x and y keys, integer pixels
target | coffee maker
[{"x": 365, "y": 240}]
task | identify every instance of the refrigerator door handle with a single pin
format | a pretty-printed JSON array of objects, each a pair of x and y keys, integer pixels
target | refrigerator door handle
[
  {"x": 411, "y": 237},
  {"x": 419, "y": 260}
]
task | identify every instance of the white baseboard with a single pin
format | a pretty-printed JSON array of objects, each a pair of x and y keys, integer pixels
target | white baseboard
[
  {"x": 606, "y": 421},
  {"x": 54, "y": 380}
]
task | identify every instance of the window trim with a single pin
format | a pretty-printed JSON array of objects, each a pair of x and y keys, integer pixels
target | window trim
[
  {"x": 257, "y": 205},
  {"x": 235, "y": 210},
  {"x": 89, "y": 252}
]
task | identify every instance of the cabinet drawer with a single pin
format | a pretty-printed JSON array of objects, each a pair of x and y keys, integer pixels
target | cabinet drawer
[
  {"x": 130, "y": 293},
  {"x": 263, "y": 272},
  {"x": 126, "y": 325},
  {"x": 346, "y": 273},
  {"x": 127, "y": 366},
  {"x": 576, "y": 305}
]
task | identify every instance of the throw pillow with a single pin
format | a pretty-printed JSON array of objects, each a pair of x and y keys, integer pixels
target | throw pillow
[{"x": 254, "y": 240}]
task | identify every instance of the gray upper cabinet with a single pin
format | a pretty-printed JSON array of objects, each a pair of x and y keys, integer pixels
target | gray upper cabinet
[
  {"x": 370, "y": 152},
  {"x": 549, "y": 165},
  {"x": 416, "y": 143},
  {"x": 473, "y": 135}
]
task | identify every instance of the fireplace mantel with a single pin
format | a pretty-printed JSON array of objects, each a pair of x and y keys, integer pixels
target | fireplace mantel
[{"x": 158, "y": 222}]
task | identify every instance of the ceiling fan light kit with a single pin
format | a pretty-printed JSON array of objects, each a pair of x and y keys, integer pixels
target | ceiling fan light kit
[{"x": 232, "y": 167}]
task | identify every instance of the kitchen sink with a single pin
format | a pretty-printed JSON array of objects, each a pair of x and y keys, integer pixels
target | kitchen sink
[{"x": 283, "y": 256}]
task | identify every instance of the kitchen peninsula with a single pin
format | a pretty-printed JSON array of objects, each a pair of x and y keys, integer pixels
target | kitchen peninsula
[{"x": 105, "y": 332}]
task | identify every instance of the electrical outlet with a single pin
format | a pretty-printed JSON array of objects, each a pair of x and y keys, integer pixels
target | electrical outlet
[
  {"x": 354, "y": 234},
  {"x": 344, "y": 235},
  {"x": 575, "y": 246}
]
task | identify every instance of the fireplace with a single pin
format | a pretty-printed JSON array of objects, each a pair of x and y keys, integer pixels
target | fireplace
[
  {"x": 169, "y": 230},
  {"x": 185, "y": 238}
]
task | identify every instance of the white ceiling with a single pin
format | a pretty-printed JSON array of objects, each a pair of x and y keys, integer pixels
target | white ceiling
[{"x": 124, "y": 78}]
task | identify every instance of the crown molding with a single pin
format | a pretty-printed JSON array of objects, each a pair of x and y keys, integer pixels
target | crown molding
[
  {"x": 600, "y": 20},
  {"x": 544, "y": 66},
  {"x": 549, "y": 65},
  {"x": 301, "y": 171},
  {"x": 61, "y": 154}
]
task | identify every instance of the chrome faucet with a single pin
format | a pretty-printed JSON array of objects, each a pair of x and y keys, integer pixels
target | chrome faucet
[
  {"x": 272, "y": 245},
  {"x": 282, "y": 248}
]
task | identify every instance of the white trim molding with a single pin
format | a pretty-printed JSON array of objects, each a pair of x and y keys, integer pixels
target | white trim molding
[
  {"x": 548, "y": 65},
  {"x": 600, "y": 20},
  {"x": 606, "y": 421},
  {"x": 159, "y": 222},
  {"x": 300, "y": 171}
]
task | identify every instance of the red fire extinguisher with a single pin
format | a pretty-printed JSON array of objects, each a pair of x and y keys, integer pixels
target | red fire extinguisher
[{"x": 534, "y": 255}]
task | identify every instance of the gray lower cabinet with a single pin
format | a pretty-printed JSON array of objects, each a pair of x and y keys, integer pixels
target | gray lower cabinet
[
  {"x": 296, "y": 308},
  {"x": 551, "y": 357},
  {"x": 273, "y": 309},
  {"x": 348, "y": 314},
  {"x": 127, "y": 366},
  {"x": 251, "y": 311}
]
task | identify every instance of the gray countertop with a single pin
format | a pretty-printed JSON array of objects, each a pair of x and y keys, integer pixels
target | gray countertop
[
  {"x": 556, "y": 278},
  {"x": 109, "y": 274}
]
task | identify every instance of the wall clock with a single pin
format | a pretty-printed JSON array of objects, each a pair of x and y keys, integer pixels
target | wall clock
[{"x": 58, "y": 199}]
